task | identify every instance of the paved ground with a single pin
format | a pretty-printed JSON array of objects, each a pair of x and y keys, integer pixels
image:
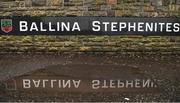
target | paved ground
[{"x": 165, "y": 69}]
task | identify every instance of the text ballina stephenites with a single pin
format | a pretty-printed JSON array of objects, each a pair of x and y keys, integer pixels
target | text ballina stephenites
[
  {"x": 97, "y": 26},
  {"x": 94, "y": 84}
]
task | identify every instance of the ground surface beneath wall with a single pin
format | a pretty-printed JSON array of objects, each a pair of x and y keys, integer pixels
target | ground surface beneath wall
[{"x": 101, "y": 77}]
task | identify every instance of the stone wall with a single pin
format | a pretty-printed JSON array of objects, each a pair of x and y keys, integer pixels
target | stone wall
[
  {"x": 100, "y": 44},
  {"x": 121, "y": 44},
  {"x": 147, "y": 8}
]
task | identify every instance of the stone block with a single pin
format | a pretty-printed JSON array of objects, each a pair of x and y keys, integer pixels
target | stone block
[
  {"x": 156, "y": 2},
  {"x": 73, "y": 8},
  {"x": 119, "y": 1},
  {"x": 21, "y": 4},
  {"x": 149, "y": 8},
  {"x": 94, "y": 8},
  {"x": 162, "y": 9},
  {"x": 85, "y": 8},
  {"x": 178, "y": 2},
  {"x": 67, "y": 3},
  {"x": 95, "y": 13},
  {"x": 88, "y": 2},
  {"x": 28, "y": 3},
  {"x": 173, "y": 7},
  {"x": 73, "y": 2},
  {"x": 118, "y": 13},
  {"x": 38, "y": 2},
  {"x": 8, "y": 4},
  {"x": 117, "y": 7},
  {"x": 110, "y": 13},
  {"x": 163, "y": 14},
  {"x": 54, "y": 2},
  {"x": 129, "y": 1},
  {"x": 111, "y": 2},
  {"x": 166, "y": 2},
  {"x": 73, "y": 13},
  {"x": 100, "y": 2},
  {"x": 172, "y": 1},
  {"x": 7, "y": 0},
  {"x": 105, "y": 7},
  {"x": 17, "y": 13}
]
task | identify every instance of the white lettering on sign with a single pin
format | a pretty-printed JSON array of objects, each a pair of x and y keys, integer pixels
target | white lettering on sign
[
  {"x": 23, "y": 26},
  {"x": 59, "y": 26},
  {"x": 45, "y": 83},
  {"x": 94, "y": 84},
  {"x": 97, "y": 26},
  {"x": 135, "y": 26},
  {"x": 36, "y": 83},
  {"x": 26, "y": 83},
  {"x": 34, "y": 27},
  {"x": 137, "y": 83}
]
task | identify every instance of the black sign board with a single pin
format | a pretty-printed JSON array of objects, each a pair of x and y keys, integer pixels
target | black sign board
[{"x": 89, "y": 26}]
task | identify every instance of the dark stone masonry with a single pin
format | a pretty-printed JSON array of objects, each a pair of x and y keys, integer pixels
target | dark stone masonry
[{"x": 145, "y": 8}]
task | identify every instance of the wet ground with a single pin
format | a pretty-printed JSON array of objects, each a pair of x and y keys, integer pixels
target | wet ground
[{"x": 165, "y": 69}]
